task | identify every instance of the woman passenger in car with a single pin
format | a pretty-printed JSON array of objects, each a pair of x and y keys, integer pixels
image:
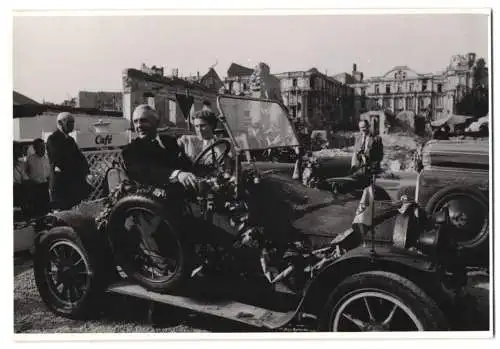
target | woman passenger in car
[{"x": 204, "y": 122}]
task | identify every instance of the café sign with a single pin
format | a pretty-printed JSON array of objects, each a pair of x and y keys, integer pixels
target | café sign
[{"x": 99, "y": 140}]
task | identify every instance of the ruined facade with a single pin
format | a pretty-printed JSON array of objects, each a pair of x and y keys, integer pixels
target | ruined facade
[
  {"x": 210, "y": 80},
  {"x": 318, "y": 100},
  {"x": 101, "y": 100},
  {"x": 174, "y": 99},
  {"x": 314, "y": 100},
  {"x": 403, "y": 89},
  {"x": 237, "y": 81}
]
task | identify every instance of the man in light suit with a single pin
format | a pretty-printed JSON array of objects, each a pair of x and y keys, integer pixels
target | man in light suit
[{"x": 368, "y": 149}]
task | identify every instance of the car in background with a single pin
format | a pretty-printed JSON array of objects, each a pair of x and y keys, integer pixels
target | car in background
[
  {"x": 455, "y": 174},
  {"x": 480, "y": 126}
]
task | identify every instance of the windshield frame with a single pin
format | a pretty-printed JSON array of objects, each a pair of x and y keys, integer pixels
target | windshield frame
[{"x": 223, "y": 118}]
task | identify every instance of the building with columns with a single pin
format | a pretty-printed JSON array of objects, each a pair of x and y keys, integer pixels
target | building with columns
[{"x": 403, "y": 89}]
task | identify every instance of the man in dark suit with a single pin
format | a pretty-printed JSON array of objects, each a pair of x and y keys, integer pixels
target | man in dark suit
[
  {"x": 368, "y": 149},
  {"x": 68, "y": 166},
  {"x": 153, "y": 159}
]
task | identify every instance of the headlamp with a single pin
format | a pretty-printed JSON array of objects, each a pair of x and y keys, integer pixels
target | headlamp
[{"x": 412, "y": 229}]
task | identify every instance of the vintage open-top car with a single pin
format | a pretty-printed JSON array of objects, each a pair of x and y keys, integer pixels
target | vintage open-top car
[{"x": 255, "y": 244}]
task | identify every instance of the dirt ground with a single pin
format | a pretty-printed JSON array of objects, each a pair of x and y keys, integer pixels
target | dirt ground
[{"x": 129, "y": 315}]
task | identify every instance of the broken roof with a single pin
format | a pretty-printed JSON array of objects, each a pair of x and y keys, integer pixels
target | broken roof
[{"x": 238, "y": 70}]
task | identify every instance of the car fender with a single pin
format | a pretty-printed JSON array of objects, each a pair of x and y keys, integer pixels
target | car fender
[
  {"x": 466, "y": 189},
  {"x": 411, "y": 265},
  {"x": 82, "y": 225}
]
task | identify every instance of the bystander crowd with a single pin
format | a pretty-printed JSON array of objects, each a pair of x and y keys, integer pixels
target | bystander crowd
[
  {"x": 20, "y": 180},
  {"x": 38, "y": 172}
]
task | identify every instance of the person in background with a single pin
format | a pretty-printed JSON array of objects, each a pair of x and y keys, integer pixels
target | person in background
[
  {"x": 368, "y": 149},
  {"x": 20, "y": 179},
  {"x": 367, "y": 156},
  {"x": 38, "y": 171},
  {"x": 207, "y": 106},
  {"x": 204, "y": 123},
  {"x": 68, "y": 166}
]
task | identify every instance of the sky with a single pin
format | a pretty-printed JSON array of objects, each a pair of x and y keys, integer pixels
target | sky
[{"x": 55, "y": 57}]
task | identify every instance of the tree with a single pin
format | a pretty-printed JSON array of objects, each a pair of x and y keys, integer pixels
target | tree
[{"x": 475, "y": 101}]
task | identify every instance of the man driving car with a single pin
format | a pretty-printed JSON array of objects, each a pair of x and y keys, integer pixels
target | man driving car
[{"x": 153, "y": 159}]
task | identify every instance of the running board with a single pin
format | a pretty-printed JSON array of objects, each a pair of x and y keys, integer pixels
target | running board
[{"x": 232, "y": 310}]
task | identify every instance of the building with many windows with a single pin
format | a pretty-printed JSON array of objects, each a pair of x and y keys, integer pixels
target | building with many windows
[
  {"x": 314, "y": 100},
  {"x": 403, "y": 89},
  {"x": 318, "y": 100}
]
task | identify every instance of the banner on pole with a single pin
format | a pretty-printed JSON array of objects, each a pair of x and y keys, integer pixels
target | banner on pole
[
  {"x": 364, "y": 212},
  {"x": 185, "y": 103}
]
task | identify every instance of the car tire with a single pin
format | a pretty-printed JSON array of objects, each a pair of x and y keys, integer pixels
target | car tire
[
  {"x": 70, "y": 277},
  {"x": 474, "y": 250},
  {"x": 348, "y": 307},
  {"x": 133, "y": 253}
]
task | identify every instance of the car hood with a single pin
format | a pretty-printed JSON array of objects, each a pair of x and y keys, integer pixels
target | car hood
[
  {"x": 285, "y": 206},
  {"x": 337, "y": 166}
]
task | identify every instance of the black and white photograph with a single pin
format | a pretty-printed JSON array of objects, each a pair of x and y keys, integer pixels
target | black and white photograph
[{"x": 284, "y": 173}]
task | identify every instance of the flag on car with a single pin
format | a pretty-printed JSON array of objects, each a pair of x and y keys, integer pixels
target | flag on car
[{"x": 364, "y": 213}]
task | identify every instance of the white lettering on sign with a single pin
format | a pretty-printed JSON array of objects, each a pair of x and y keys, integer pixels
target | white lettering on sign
[{"x": 103, "y": 139}]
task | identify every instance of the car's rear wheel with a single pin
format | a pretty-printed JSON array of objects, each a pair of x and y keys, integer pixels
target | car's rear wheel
[
  {"x": 380, "y": 301},
  {"x": 68, "y": 276},
  {"x": 147, "y": 244}
]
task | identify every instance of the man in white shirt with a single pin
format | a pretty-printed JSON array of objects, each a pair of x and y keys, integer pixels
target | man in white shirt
[{"x": 38, "y": 171}]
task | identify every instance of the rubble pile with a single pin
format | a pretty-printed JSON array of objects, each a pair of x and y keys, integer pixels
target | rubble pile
[
  {"x": 399, "y": 151},
  {"x": 330, "y": 153}
]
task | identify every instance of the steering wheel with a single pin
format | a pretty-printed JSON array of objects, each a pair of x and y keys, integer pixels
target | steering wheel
[{"x": 219, "y": 158}]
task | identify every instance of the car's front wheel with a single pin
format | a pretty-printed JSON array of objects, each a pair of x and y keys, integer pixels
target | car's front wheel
[
  {"x": 380, "y": 301},
  {"x": 69, "y": 278}
]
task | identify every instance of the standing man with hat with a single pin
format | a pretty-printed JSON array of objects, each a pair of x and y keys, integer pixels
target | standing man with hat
[{"x": 68, "y": 166}]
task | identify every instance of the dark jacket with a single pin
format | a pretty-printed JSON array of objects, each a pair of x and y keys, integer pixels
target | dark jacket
[
  {"x": 148, "y": 163},
  {"x": 67, "y": 186}
]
